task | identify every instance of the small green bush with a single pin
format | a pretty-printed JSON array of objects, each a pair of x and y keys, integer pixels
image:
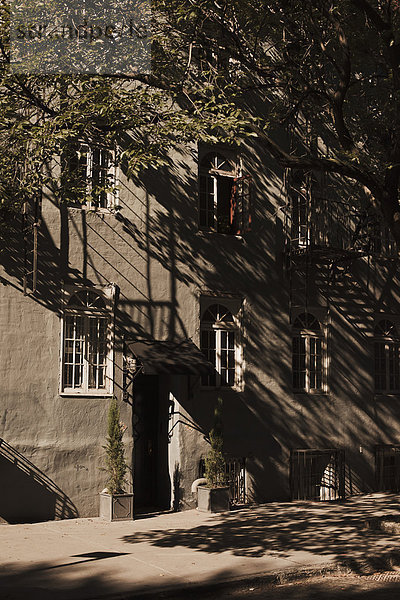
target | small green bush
[
  {"x": 214, "y": 462},
  {"x": 116, "y": 466}
]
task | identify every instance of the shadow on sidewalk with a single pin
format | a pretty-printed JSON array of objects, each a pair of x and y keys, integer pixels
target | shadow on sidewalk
[
  {"x": 42, "y": 582},
  {"x": 336, "y": 531}
]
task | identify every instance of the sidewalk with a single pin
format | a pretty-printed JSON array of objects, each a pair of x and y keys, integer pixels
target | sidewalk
[{"x": 93, "y": 559}]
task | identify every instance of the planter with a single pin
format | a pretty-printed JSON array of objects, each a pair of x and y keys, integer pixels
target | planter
[
  {"x": 212, "y": 499},
  {"x": 116, "y": 508}
]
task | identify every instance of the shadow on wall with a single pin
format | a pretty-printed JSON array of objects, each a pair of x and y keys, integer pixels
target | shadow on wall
[{"x": 28, "y": 495}]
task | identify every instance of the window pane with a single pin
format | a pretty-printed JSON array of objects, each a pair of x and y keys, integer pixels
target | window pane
[
  {"x": 299, "y": 362},
  {"x": 227, "y": 357},
  {"x": 73, "y": 351},
  {"x": 97, "y": 344},
  {"x": 394, "y": 371},
  {"x": 207, "y": 345},
  {"x": 206, "y": 204},
  {"x": 224, "y": 192},
  {"x": 380, "y": 366},
  {"x": 315, "y": 363}
]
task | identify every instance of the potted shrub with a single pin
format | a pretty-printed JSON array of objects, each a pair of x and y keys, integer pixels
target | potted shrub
[
  {"x": 115, "y": 503},
  {"x": 214, "y": 496}
]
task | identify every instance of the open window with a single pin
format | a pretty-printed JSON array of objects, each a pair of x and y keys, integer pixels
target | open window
[
  {"x": 86, "y": 354},
  {"x": 89, "y": 176},
  {"x": 308, "y": 355},
  {"x": 387, "y": 357},
  {"x": 225, "y": 196}
]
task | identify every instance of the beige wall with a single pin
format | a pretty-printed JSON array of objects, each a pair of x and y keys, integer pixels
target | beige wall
[{"x": 152, "y": 250}]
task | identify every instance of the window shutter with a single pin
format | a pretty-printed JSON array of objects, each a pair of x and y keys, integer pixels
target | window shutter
[{"x": 240, "y": 205}]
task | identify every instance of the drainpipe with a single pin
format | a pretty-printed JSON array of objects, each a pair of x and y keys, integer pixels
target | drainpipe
[{"x": 197, "y": 482}]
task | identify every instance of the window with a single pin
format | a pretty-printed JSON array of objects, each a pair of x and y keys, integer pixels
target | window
[
  {"x": 317, "y": 474},
  {"x": 308, "y": 350},
  {"x": 220, "y": 344},
  {"x": 387, "y": 468},
  {"x": 86, "y": 345},
  {"x": 224, "y": 196},
  {"x": 300, "y": 199},
  {"x": 90, "y": 176},
  {"x": 387, "y": 357}
]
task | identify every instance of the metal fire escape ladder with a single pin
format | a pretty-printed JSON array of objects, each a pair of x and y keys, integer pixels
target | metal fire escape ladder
[{"x": 31, "y": 219}]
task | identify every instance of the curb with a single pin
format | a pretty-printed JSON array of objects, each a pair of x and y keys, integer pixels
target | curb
[
  {"x": 258, "y": 580},
  {"x": 363, "y": 567}
]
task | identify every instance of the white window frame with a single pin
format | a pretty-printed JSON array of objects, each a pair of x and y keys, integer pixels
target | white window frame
[
  {"x": 211, "y": 186},
  {"x": 388, "y": 343},
  {"x": 107, "y": 295},
  {"x": 112, "y": 195},
  {"x": 307, "y": 335},
  {"x": 235, "y": 308}
]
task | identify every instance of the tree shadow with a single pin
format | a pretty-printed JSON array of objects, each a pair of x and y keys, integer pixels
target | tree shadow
[
  {"x": 337, "y": 531},
  {"x": 29, "y": 496}
]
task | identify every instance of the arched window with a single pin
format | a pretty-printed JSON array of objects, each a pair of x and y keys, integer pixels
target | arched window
[
  {"x": 219, "y": 343},
  {"x": 86, "y": 352},
  {"x": 217, "y": 178},
  {"x": 387, "y": 357},
  {"x": 307, "y": 354}
]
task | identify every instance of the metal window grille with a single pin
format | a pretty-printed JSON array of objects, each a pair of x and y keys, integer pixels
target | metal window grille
[
  {"x": 387, "y": 468},
  {"x": 317, "y": 474},
  {"x": 235, "y": 469}
]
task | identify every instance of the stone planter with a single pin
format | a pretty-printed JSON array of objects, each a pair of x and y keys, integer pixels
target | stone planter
[
  {"x": 116, "y": 508},
  {"x": 212, "y": 499}
]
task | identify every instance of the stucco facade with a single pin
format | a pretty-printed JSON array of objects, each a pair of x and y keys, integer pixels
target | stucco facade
[{"x": 162, "y": 270}]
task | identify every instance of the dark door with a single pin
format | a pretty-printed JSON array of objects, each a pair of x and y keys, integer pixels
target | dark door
[{"x": 151, "y": 483}]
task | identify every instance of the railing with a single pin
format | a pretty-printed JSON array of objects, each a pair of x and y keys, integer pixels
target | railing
[
  {"x": 235, "y": 469},
  {"x": 317, "y": 474}
]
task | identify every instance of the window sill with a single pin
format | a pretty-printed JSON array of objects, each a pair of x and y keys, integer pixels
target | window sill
[
  {"x": 86, "y": 394},
  {"x": 310, "y": 393},
  {"x": 209, "y": 232},
  {"x": 386, "y": 395},
  {"x": 221, "y": 388},
  {"x": 89, "y": 209}
]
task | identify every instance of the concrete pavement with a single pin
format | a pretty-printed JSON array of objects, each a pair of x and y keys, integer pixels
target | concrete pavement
[{"x": 90, "y": 558}]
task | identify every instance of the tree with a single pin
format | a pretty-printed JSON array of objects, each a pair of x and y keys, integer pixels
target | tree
[
  {"x": 215, "y": 472},
  {"x": 225, "y": 69},
  {"x": 116, "y": 466},
  {"x": 40, "y": 115},
  {"x": 328, "y": 70}
]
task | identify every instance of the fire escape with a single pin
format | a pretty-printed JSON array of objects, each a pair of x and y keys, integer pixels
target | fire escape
[
  {"x": 324, "y": 236},
  {"x": 31, "y": 218}
]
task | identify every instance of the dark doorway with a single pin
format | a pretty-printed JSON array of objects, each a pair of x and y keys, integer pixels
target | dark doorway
[{"x": 150, "y": 413}]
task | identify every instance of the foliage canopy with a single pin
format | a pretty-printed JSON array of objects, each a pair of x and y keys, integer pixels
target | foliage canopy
[{"x": 329, "y": 71}]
